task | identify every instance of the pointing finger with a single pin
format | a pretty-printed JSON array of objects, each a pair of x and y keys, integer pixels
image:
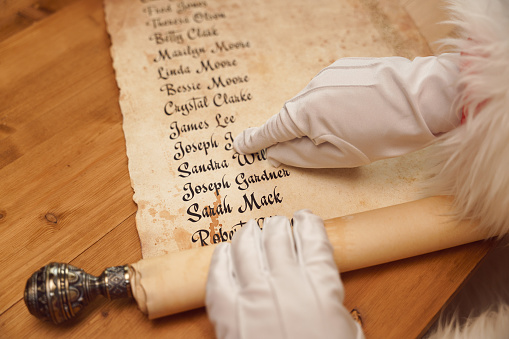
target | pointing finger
[{"x": 278, "y": 128}]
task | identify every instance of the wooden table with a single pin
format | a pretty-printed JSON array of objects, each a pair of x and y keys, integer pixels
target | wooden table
[{"x": 65, "y": 193}]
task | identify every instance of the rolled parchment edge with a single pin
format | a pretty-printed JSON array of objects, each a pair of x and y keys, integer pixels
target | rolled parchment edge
[{"x": 176, "y": 282}]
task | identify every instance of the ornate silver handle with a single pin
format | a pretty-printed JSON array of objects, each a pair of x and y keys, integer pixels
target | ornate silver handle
[{"x": 57, "y": 292}]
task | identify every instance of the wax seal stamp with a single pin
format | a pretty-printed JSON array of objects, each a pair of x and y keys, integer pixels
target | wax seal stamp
[{"x": 57, "y": 292}]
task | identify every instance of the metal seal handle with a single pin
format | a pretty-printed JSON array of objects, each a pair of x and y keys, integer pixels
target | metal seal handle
[{"x": 57, "y": 291}]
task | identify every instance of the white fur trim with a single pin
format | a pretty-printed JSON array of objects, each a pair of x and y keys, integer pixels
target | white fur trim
[
  {"x": 491, "y": 324},
  {"x": 474, "y": 158},
  {"x": 471, "y": 312}
]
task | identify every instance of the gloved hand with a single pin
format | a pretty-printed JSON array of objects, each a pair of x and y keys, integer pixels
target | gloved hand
[
  {"x": 273, "y": 285},
  {"x": 359, "y": 110}
]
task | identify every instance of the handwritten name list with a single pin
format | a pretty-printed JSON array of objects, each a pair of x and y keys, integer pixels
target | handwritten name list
[{"x": 194, "y": 74}]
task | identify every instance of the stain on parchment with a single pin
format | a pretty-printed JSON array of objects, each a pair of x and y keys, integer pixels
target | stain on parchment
[
  {"x": 385, "y": 28},
  {"x": 142, "y": 204},
  {"x": 182, "y": 238},
  {"x": 152, "y": 212},
  {"x": 166, "y": 215},
  {"x": 394, "y": 26},
  {"x": 214, "y": 218}
]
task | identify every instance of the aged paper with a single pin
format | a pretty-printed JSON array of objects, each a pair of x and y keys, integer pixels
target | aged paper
[{"x": 194, "y": 74}]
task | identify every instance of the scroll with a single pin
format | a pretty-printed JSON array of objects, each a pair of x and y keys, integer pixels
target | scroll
[
  {"x": 194, "y": 73},
  {"x": 176, "y": 282}
]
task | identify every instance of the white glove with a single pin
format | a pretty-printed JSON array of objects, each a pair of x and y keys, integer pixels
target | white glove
[
  {"x": 273, "y": 285},
  {"x": 359, "y": 110}
]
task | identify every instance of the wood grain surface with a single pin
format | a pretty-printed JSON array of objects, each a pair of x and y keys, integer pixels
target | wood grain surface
[{"x": 65, "y": 192}]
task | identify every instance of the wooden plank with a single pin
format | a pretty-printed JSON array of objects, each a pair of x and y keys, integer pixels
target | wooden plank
[
  {"x": 55, "y": 53},
  {"x": 401, "y": 299},
  {"x": 102, "y": 317},
  {"x": 16, "y": 15},
  {"x": 63, "y": 176}
]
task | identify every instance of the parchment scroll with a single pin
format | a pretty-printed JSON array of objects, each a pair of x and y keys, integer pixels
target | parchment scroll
[{"x": 194, "y": 74}]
